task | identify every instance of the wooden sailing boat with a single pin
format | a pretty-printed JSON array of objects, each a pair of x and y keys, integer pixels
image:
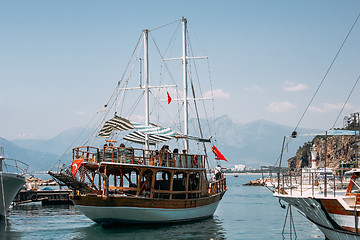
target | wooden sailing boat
[{"x": 139, "y": 185}]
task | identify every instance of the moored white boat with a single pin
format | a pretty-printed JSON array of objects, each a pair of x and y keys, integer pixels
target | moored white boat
[
  {"x": 317, "y": 195},
  {"x": 12, "y": 178},
  {"x": 337, "y": 216}
]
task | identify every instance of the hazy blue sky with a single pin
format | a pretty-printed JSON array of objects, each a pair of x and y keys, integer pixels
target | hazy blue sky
[{"x": 59, "y": 60}]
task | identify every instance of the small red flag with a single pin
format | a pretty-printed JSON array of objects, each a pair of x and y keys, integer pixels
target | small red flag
[
  {"x": 169, "y": 98},
  {"x": 75, "y": 166},
  {"x": 218, "y": 154}
]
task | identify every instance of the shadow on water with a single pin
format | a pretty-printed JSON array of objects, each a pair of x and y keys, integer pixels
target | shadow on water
[
  {"x": 210, "y": 228},
  {"x": 6, "y": 232}
]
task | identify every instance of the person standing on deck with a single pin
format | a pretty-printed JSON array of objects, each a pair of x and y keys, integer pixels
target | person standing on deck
[{"x": 218, "y": 172}]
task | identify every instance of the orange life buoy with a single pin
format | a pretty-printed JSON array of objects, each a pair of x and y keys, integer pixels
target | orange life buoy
[{"x": 195, "y": 160}]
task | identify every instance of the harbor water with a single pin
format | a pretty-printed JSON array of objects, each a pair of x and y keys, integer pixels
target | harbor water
[{"x": 246, "y": 212}]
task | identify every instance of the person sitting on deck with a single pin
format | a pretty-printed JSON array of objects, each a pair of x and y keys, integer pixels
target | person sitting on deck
[
  {"x": 124, "y": 154},
  {"x": 107, "y": 153}
]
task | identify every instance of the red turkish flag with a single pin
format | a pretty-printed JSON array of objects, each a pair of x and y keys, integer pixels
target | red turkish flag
[
  {"x": 218, "y": 154},
  {"x": 75, "y": 166},
  {"x": 169, "y": 98}
]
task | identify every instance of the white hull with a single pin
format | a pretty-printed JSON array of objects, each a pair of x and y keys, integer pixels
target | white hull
[
  {"x": 12, "y": 183},
  {"x": 145, "y": 215},
  {"x": 330, "y": 224},
  {"x": 331, "y": 234}
]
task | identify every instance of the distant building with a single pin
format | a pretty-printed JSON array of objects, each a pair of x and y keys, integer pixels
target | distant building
[
  {"x": 249, "y": 168},
  {"x": 239, "y": 168},
  {"x": 352, "y": 120}
]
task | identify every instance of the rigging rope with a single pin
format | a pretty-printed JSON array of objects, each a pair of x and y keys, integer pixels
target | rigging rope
[
  {"x": 78, "y": 136},
  {"x": 122, "y": 77},
  {"x": 128, "y": 78},
  {"x": 328, "y": 70},
  {"x": 151, "y": 30},
  {"x": 199, "y": 86},
  {"x": 132, "y": 109},
  {"x": 171, "y": 78},
  {"x": 347, "y": 99},
  {"x": 323, "y": 79},
  {"x": 173, "y": 38},
  {"x": 198, "y": 120},
  {"x": 211, "y": 85}
]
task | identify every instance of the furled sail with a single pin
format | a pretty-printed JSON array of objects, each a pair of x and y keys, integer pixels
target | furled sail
[{"x": 116, "y": 123}]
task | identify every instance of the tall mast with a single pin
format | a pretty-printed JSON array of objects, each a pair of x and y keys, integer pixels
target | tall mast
[
  {"x": 184, "y": 61},
  {"x": 146, "y": 85}
]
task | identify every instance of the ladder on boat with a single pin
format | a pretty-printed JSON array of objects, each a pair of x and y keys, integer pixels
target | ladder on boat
[{"x": 72, "y": 183}]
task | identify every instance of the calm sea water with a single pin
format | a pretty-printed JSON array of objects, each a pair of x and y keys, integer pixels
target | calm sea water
[{"x": 244, "y": 213}]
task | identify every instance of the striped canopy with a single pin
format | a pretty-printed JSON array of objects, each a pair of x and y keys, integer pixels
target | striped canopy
[
  {"x": 156, "y": 134},
  {"x": 116, "y": 123},
  {"x": 139, "y": 137},
  {"x": 154, "y": 129}
]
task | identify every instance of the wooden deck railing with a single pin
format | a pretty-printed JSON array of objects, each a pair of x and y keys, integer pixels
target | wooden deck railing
[
  {"x": 217, "y": 186},
  {"x": 138, "y": 156}
]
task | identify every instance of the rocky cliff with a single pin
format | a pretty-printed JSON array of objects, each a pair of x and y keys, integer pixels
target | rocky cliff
[{"x": 340, "y": 149}]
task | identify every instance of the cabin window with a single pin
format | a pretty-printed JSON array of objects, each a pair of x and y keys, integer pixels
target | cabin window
[
  {"x": 130, "y": 180},
  {"x": 146, "y": 183},
  {"x": 194, "y": 180},
  {"x": 162, "y": 184},
  {"x": 179, "y": 184},
  {"x": 162, "y": 181}
]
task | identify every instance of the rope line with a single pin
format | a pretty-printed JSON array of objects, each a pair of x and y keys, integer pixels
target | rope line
[
  {"x": 347, "y": 99},
  {"x": 151, "y": 30},
  {"x": 328, "y": 70}
]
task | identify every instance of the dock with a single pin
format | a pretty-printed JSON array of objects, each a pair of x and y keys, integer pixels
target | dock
[
  {"x": 39, "y": 190},
  {"x": 46, "y": 197}
]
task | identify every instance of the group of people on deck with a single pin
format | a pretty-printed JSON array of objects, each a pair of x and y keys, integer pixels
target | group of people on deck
[
  {"x": 163, "y": 157},
  {"x": 107, "y": 153}
]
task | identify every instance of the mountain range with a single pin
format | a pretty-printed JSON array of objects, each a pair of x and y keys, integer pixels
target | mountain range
[{"x": 253, "y": 144}]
